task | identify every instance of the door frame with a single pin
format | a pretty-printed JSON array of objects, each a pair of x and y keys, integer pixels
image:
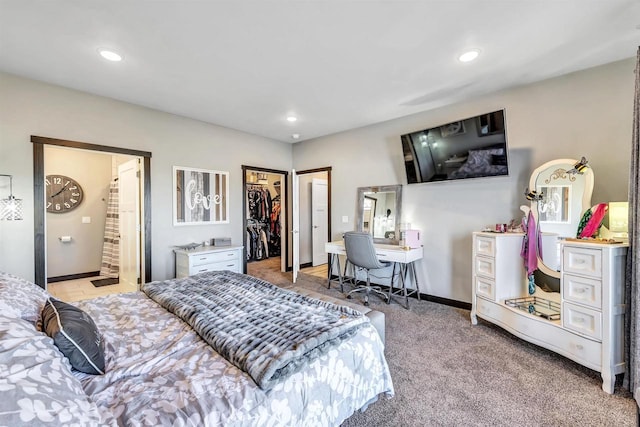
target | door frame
[
  {"x": 39, "y": 242},
  {"x": 326, "y": 169},
  {"x": 284, "y": 227}
]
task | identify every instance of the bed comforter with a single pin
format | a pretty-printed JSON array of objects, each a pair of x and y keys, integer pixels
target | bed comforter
[
  {"x": 266, "y": 331},
  {"x": 161, "y": 372}
]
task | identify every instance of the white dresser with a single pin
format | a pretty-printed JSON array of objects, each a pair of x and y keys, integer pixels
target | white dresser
[
  {"x": 208, "y": 258},
  {"x": 590, "y": 305}
]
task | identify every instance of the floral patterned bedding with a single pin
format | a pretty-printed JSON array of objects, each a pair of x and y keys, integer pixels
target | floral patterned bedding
[{"x": 160, "y": 372}]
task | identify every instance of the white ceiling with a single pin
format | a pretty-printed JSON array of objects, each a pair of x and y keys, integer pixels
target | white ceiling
[{"x": 337, "y": 65}]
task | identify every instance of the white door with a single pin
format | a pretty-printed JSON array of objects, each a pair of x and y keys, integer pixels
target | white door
[
  {"x": 319, "y": 220},
  {"x": 295, "y": 220},
  {"x": 129, "y": 217}
]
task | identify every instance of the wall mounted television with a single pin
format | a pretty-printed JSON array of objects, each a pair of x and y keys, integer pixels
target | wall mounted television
[{"x": 471, "y": 148}]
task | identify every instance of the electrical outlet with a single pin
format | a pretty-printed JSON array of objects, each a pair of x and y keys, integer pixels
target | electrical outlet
[
  {"x": 345, "y": 219},
  {"x": 86, "y": 220}
]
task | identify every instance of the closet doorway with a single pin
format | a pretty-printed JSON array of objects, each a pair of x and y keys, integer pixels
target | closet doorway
[{"x": 264, "y": 220}]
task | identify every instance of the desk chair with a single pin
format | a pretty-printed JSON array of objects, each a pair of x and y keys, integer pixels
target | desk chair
[{"x": 362, "y": 254}]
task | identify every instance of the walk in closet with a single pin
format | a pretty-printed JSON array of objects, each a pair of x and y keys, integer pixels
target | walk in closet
[{"x": 264, "y": 201}]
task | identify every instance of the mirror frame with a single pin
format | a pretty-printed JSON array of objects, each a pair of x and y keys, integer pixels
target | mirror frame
[
  {"x": 360, "y": 212},
  {"x": 586, "y": 199}
]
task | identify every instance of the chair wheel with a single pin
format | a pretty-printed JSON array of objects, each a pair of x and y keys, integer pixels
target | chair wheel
[
  {"x": 348, "y": 296},
  {"x": 366, "y": 303}
]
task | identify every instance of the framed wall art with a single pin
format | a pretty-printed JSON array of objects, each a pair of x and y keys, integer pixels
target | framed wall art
[{"x": 200, "y": 196}]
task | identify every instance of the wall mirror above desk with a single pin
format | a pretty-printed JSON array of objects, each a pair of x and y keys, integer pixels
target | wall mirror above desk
[{"x": 379, "y": 212}]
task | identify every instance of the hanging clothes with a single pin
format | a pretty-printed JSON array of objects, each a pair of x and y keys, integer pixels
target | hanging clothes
[
  {"x": 110, "y": 265},
  {"x": 263, "y": 223},
  {"x": 531, "y": 248}
]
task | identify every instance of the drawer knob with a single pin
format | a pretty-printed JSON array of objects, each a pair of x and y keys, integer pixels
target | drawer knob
[
  {"x": 579, "y": 346},
  {"x": 581, "y": 290}
]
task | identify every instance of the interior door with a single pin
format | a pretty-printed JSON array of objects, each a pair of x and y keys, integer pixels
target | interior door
[
  {"x": 319, "y": 220},
  {"x": 295, "y": 221},
  {"x": 129, "y": 214}
]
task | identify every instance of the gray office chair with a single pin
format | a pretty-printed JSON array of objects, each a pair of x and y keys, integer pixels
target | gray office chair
[{"x": 362, "y": 254}]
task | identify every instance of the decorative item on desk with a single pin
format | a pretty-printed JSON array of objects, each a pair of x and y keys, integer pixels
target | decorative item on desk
[{"x": 410, "y": 239}]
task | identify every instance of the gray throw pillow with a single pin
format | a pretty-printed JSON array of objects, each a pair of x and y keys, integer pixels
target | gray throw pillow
[{"x": 75, "y": 334}]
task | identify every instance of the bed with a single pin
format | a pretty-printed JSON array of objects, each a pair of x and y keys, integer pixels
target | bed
[{"x": 160, "y": 371}]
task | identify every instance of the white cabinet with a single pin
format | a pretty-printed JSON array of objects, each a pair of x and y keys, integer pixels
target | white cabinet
[
  {"x": 208, "y": 258},
  {"x": 591, "y": 300}
]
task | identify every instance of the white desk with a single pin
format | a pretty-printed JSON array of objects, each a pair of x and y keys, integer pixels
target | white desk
[{"x": 404, "y": 259}]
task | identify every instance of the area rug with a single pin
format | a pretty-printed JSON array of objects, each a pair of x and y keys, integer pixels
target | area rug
[{"x": 105, "y": 282}]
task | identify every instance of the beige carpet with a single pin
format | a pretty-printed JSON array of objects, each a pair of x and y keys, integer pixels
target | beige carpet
[{"x": 447, "y": 372}]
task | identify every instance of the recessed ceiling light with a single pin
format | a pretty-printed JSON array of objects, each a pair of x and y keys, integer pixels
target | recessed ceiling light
[
  {"x": 292, "y": 119},
  {"x": 295, "y": 136},
  {"x": 110, "y": 55},
  {"x": 469, "y": 55}
]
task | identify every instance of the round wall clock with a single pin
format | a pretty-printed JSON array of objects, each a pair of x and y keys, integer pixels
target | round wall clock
[{"x": 62, "y": 194}]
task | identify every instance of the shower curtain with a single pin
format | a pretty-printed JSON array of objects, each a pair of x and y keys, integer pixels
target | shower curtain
[{"x": 110, "y": 266}]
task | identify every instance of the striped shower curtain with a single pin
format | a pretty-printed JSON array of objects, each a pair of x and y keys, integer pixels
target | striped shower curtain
[{"x": 110, "y": 266}]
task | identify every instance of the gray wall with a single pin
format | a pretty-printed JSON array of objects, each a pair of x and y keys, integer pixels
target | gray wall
[
  {"x": 84, "y": 253},
  {"x": 588, "y": 113},
  {"x": 28, "y": 107}
]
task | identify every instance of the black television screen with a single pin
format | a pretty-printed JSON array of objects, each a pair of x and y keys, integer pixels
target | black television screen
[{"x": 471, "y": 148}]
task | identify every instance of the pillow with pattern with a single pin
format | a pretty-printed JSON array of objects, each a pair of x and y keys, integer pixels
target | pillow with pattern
[
  {"x": 37, "y": 385},
  {"x": 75, "y": 334},
  {"x": 21, "y": 298}
]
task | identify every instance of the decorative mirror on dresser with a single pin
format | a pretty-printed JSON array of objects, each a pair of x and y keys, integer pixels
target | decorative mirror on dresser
[
  {"x": 564, "y": 195},
  {"x": 582, "y": 316},
  {"x": 379, "y": 212}
]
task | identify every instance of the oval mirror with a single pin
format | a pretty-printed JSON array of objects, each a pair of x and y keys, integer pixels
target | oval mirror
[
  {"x": 564, "y": 196},
  {"x": 379, "y": 212}
]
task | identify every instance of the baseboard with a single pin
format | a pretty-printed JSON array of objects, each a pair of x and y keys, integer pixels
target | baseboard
[
  {"x": 72, "y": 276},
  {"x": 426, "y": 297}
]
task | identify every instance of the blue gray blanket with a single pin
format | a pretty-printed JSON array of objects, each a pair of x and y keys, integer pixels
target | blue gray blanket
[{"x": 268, "y": 332}]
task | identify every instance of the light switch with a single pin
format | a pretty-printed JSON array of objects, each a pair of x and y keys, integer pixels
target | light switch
[
  {"x": 345, "y": 219},
  {"x": 86, "y": 220}
]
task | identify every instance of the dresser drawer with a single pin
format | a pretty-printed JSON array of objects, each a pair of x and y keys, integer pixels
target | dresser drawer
[
  {"x": 485, "y": 246},
  {"x": 210, "y": 258},
  {"x": 541, "y": 332},
  {"x": 485, "y": 266},
  {"x": 582, "y": 290},
  {"x": 582, "y": 261},
  {"x": 232, "y": 265},
  {"x": 485, "y": 288},
  {"x": 582, "y": 320}
]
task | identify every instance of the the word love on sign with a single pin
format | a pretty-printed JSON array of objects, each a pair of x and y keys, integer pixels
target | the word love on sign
[{"x": 200, "y": 196}]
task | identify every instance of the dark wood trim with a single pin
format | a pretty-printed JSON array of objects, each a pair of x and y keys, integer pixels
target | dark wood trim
[
  {"x": 88, "y": 146},
  {"x": 306, "y": 264},
  {"x": 72, "y": 276},
  {"x": 325, "y": 169},
  {"x": 146, "y": 201},
  {"x": 283, "y": 251},
  {"x": 38, "y": 199},
  {"x": 39, "y": 240}
]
